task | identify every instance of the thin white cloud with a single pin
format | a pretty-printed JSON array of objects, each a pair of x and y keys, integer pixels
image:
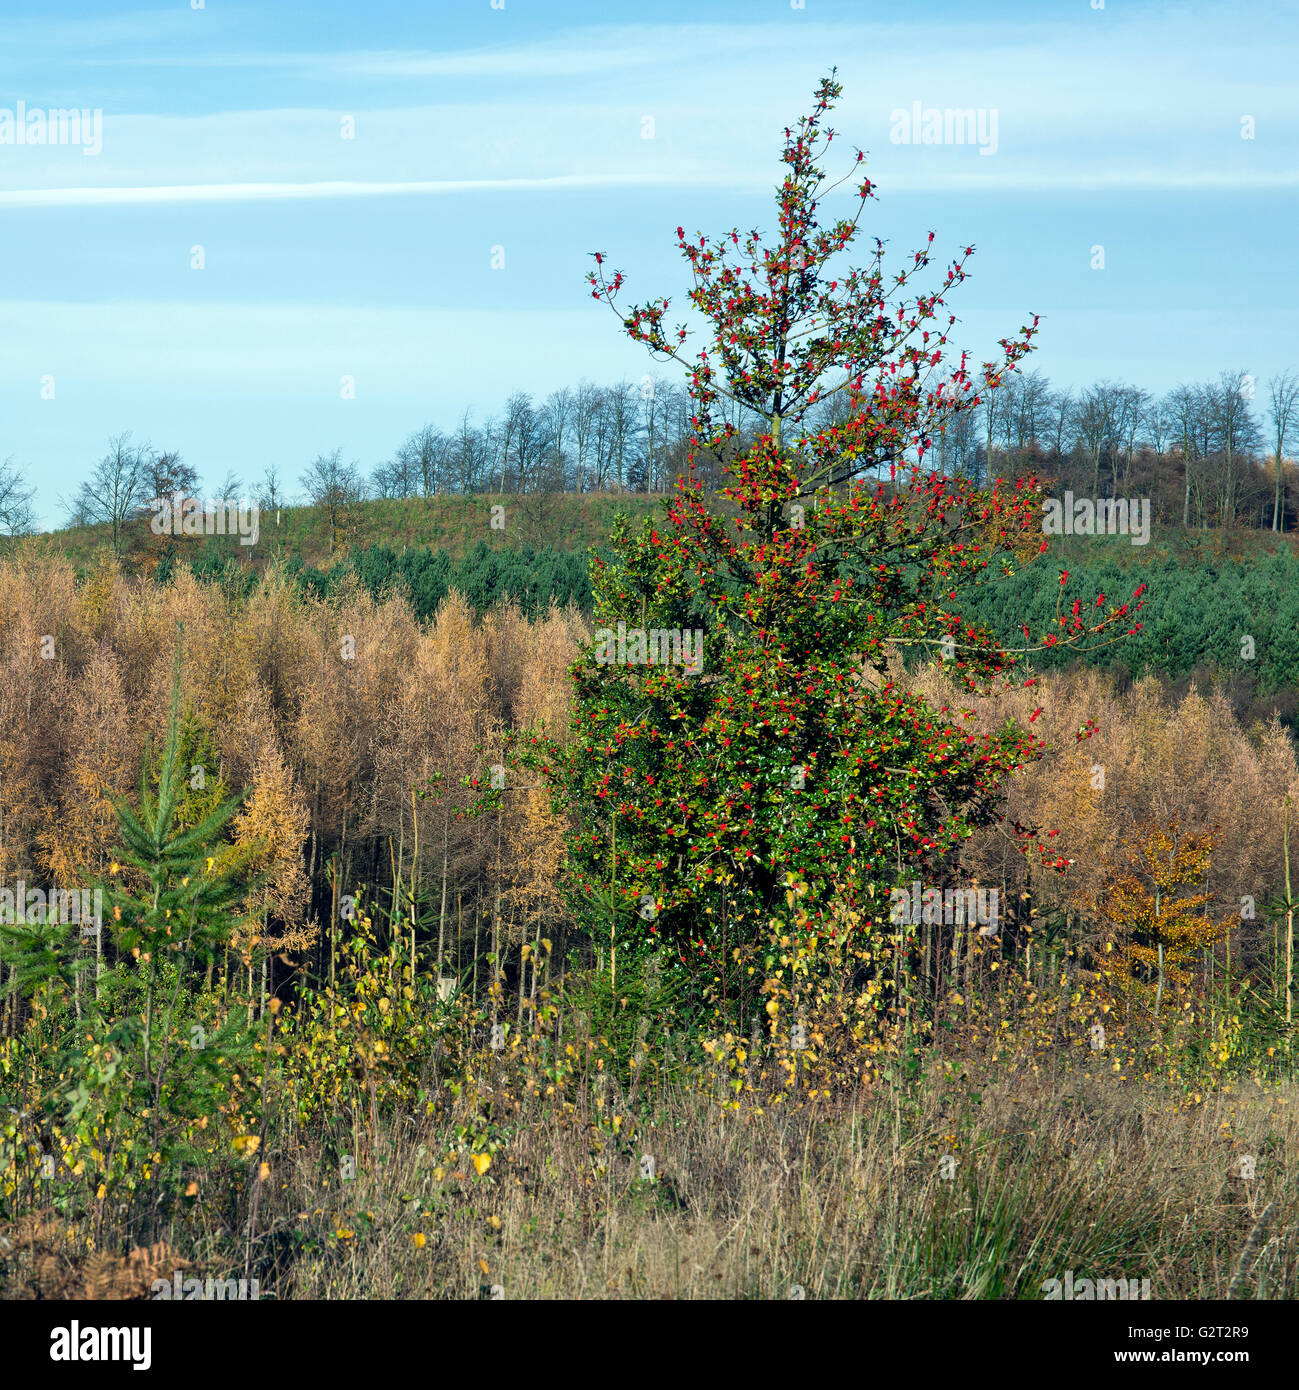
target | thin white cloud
[
  {"x": 1009, "y": 180},
  {"x": 328, "y": 188}
]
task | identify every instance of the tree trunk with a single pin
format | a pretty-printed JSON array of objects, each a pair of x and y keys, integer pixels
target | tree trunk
[
  {"x": 442, "y": 914},
  {"x": 1289, "y": 919}
]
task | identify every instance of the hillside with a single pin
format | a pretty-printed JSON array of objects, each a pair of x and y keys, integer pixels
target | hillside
[{"x": 452, "y": 523}]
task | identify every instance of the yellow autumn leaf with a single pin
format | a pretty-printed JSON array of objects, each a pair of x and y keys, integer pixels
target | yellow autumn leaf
[
  {"x": 482, "y": 1264},
  {"x": 191, "y": 1190},
  {"x": 482, "y": 1162},
  {"x": 419, "y": 1240},
  {"x": 247, "y": 1144},
  {"x": 264, "y": 1172}
]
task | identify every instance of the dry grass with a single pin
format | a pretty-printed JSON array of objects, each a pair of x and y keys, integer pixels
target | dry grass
[{"x": 1106, "y": 1179}]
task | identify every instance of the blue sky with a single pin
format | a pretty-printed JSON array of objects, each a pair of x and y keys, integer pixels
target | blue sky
[{"x": 522, "y": 128}]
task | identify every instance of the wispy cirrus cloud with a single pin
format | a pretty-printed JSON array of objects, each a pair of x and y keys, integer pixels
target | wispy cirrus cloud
[
  {"x": 109, "y": 196},
  {"x": 995, "y": 182}
]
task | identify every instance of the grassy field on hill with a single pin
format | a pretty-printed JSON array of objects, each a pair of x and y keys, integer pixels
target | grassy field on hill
[{"x": 450, "y": 522}]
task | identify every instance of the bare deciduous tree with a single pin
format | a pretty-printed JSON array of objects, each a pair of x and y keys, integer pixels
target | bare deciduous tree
[
  {"x": 1283, "y": 400},
  {"x": 272, "y": 498},
  {"x": 116, "y": 489},
  {"x": 1235, "y": 431},
  {"x": 166, "y": 474},
  {"x": 1096, "y": 420},
  {"x": 16, "y": 513},
  {"x": 232, "y": 487},
  {"x": 335, "y": 487}
]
